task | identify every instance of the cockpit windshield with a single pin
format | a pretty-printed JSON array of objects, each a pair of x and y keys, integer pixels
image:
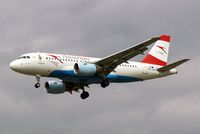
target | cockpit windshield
[{"x": 24, "y": 57}]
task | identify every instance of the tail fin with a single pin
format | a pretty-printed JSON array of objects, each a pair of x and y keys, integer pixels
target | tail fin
[{"x": 158, "y": 55}]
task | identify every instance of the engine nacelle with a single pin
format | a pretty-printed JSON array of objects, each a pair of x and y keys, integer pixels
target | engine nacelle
[
  {"x": 55, "y": 87},
  {"x": 85, "y": 69}
]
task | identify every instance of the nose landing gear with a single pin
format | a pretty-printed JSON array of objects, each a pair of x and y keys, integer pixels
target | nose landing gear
[{"x": 37, "y": 85}]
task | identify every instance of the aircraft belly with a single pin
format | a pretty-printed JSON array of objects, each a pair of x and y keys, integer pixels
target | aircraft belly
[{"x": 70, "y": 76}]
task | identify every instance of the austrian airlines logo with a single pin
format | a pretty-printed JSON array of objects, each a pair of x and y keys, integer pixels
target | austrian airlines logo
[
  {"x": 56, "y": 58},
  {"x": 162, "y": 48}
]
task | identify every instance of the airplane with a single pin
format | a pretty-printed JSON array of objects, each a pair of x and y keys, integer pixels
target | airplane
[{"x": 77, "y": 72}]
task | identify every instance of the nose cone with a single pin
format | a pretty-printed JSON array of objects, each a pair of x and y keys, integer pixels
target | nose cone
[
  {"x": 13, "y": 65},
  {"x": 19, "y": 67}
]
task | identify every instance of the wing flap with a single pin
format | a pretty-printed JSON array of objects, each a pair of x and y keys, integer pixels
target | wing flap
[{"x": 171, "y": 66}]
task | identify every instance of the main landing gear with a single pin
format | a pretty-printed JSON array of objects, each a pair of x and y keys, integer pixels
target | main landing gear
[
  {"x": 37, "y": 85},
  {"x": 105, "y": 83},
  {"x": 84, "y": 95}
]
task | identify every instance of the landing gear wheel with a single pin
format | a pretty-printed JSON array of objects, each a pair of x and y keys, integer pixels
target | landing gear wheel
[
  {"x": 105, "y": 83},
  {"x": 37, "y": 85},
  {"x": 84, "y": 95}
]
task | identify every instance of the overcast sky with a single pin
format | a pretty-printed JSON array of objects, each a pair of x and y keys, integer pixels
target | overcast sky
[{"x": 98, "y": 28}]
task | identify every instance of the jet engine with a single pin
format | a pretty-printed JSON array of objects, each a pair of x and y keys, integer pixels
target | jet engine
[
  {"x": 55, "y": 87},
  {"x": 85, "y": 69}
]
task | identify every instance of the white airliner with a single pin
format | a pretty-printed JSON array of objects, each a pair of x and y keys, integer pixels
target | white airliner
[{"x": 77, "y": 72}]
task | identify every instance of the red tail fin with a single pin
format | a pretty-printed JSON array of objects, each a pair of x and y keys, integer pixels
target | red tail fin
[{"x": 158, "y": 55}]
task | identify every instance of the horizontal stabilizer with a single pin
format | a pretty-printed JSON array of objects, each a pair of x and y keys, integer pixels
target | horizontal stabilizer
[{"x": 171, "y": 66}]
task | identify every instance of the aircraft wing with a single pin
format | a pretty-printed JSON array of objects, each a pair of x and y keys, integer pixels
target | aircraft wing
[{"x": 110, "y": 62}]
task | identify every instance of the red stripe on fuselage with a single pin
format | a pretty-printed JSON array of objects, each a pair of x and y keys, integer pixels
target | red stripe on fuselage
[{"x": 153, "y": 60}]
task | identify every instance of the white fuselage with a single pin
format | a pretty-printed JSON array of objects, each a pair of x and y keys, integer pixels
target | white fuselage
[{"x": 62, "y": 67}]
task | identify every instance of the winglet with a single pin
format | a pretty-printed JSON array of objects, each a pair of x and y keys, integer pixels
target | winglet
[{"x": 171, "y": 66}]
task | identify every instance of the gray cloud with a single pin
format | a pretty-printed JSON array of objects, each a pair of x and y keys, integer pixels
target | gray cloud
[{"x": 99, "y": 28}]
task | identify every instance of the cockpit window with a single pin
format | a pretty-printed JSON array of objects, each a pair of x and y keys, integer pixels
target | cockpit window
[{"x": 24, "y": 57}]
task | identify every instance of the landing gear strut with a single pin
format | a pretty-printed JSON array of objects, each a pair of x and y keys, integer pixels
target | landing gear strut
[
  {"x": 105, "y": 83},
  {"x": 84, "y": 95},
  {"x": 37, "y": 85}
]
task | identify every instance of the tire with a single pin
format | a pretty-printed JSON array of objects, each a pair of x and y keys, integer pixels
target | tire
[
  {"x": 105, "y": 83},
  {"x": 37, "y": 85},
  {"x": 84, "y": 95}
]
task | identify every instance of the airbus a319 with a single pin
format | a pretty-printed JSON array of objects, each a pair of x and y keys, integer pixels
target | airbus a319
[{"x": 77, "y": 72}]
